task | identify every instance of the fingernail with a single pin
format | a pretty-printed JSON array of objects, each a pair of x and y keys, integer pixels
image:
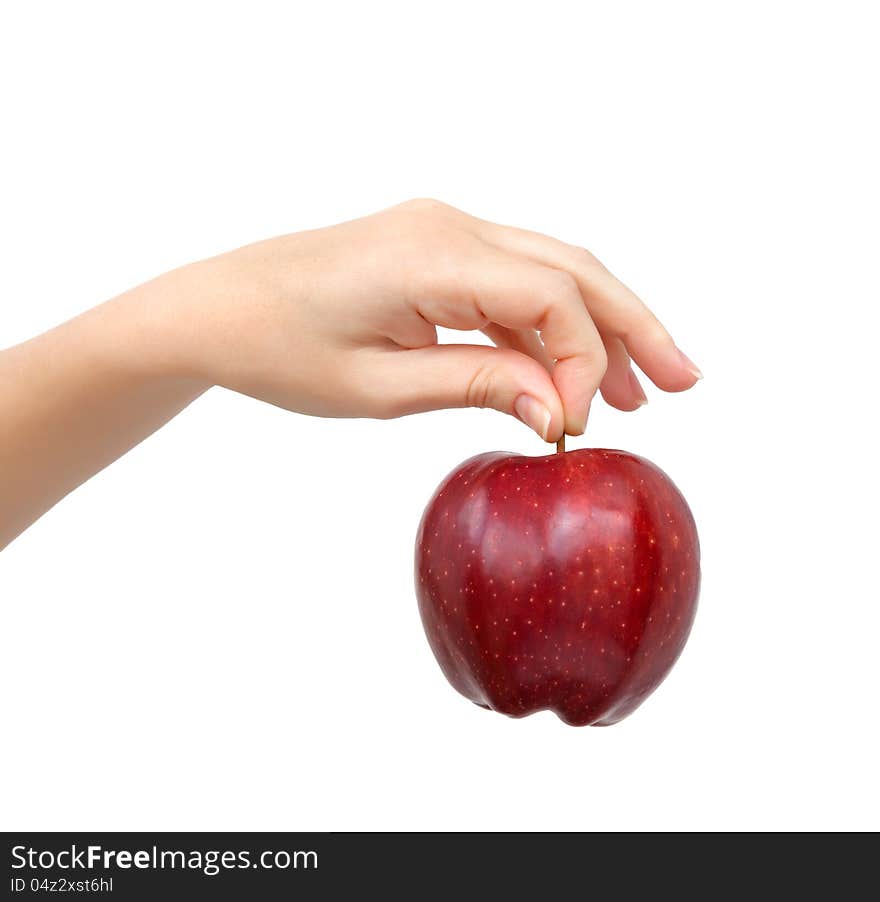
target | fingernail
[
  {"x": 692, "y": 367},
  {"x": 637, "y": 390},
  {"x": 533, "y": 413}
]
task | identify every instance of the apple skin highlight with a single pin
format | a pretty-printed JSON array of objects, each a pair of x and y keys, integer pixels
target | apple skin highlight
[{"x": 567, "y": 582}]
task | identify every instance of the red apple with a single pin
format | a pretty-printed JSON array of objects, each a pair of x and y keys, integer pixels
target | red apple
[{"x": 566, "y": 582}]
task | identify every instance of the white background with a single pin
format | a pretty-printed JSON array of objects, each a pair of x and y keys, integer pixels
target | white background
[{"x": 220, "y": 630}]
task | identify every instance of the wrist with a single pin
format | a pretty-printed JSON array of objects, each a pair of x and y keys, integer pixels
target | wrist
[{"x": 153, "y": 330}]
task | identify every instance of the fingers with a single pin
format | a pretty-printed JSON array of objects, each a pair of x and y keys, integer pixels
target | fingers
[
  {"x": 525, "y": 341},
  {"x": 523, "y": 295},
  {"x": 434, "y": 378},
  {"x": 620, "y": 387},
  {"x": 615, "y": 309}
]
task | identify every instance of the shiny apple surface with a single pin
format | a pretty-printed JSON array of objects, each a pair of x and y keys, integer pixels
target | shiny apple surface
[{"x": 567, "y": 582}]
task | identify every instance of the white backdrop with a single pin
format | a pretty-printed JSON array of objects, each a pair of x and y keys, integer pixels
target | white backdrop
[{"x": 220, "y": 630}]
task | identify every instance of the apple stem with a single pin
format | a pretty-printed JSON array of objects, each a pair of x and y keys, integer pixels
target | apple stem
[{"x": 560, "y": 445}]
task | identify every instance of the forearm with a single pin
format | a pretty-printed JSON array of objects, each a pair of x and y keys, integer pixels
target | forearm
[{"x": 77, "y": 397}]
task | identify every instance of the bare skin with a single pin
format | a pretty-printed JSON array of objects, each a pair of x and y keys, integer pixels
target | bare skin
[{"x": 337, "y": 322}]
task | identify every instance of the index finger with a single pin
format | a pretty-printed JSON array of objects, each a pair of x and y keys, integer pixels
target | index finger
[
  {"x": 616, "y": 310},
  {"x": 521, "y": 294}
]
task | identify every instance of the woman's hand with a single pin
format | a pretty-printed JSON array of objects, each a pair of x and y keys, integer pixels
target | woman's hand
[
  {"x": 337, "y": 322},
  {"x": 341, "y": 322}
]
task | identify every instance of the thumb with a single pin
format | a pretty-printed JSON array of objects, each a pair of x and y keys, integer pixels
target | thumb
[{"x": 442, "y": 376}]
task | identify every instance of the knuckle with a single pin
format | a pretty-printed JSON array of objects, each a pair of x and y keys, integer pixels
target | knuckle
[
  {"x": 646, "y": 327},
  {"x": 563, "y": 286},
  {"x": 479, "y": 387},
  {"x": 583, "y": 258},
  {"x": 425, "y": 205},
  {"x": 594, "y": 364}
]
